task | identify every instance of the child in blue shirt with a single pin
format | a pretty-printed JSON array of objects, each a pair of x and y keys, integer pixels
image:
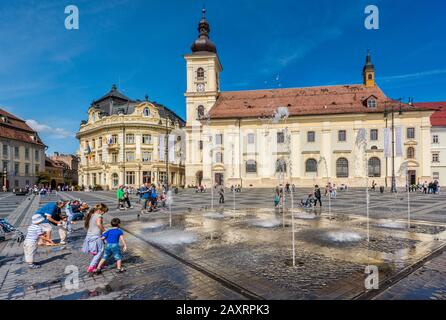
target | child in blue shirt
[{"x": 112, "y": 247}]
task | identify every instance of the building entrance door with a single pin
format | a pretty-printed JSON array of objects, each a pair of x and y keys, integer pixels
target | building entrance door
[
  {"x": 219, "y": 179},
  {"x": 412, "y": 176},
  {"x": 147, "y": 177}
]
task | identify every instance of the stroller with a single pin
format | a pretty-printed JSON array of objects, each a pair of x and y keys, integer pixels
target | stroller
[
  {"x": 308, "y": 203},
  {"x": 7, "y": 230}
]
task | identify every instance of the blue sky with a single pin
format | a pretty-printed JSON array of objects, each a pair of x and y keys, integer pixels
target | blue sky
[{"x": 50, "y": 75}]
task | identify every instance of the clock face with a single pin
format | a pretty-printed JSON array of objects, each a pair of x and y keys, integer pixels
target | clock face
[{"x": 200, "y": 87}]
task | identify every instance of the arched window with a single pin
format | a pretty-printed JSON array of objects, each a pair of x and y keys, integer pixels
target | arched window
[
  {"x": 200, "y": 74},
  {"x": 370, "y": 76},
  {"x": 410, "y": 153},
  {"x": 280, "y": 165},
  {"x": 342, "y": 168},
  {"x": 219, "y": 157},
  {"x": 374, "y": 167},
  {"x": 115, "y": 180},
  {"x": 251, "y": 166},
  {"x": 146, "y": 112},
  {"x": 200, "y": 112},
  {"x": 311, "y": 165},
  {"x": 374, "y": 148}
]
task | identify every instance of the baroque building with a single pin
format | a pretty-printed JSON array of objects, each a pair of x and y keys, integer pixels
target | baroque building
[
  {"x": 304, "y": 136},
  {"x": 70, "y": 163},
  {"x": 22, "y": 152},
  {"x": 438, "y": 140},
  {"x": 130, "y": 142},
  {"x": 55, "y": 172}
]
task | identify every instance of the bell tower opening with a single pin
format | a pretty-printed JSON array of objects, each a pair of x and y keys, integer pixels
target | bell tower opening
[
  {"x": 368, "y": 72},
  {"x": 203, "y": 70}
]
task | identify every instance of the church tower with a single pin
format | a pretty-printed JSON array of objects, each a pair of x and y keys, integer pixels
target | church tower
[
  {"x": 368, "y": 72},
  {"x": 203, "y": 70}
]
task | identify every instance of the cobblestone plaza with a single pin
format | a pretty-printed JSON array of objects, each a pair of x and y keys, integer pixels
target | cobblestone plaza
[
  {"x": 222, "y": 158},
  {"x": 243, "y": 249}
]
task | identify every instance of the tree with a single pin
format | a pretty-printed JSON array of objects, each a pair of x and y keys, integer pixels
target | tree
[
  {"x": 199, "y": 177},
  {"x": 43, "y": 178}
]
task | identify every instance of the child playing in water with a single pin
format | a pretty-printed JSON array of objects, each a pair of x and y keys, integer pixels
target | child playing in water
[
  {"x": 93, "y": 243},
  {"x": 35, "y": 232},
  {"x": 112, "y": 237},
  {"x": 62, "y": 227}
]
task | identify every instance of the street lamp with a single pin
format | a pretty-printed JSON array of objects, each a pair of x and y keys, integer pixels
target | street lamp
[
  {"x": 166, "y": 139},
  {"x": 393, "y": 106},
  {"x": 5, "y": 173}
]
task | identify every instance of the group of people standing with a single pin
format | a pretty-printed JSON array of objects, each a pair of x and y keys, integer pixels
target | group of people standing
[
  {"x": 151, "y": 197},
  {"x": 432, "y": 187},
  {"x": 331, "y": 190},
  {"x": 61, "y": 215},
  {"x": 312, "y": 200},
  {"x": 123, "y": 195},
  {"x": 99, "y": 242}
]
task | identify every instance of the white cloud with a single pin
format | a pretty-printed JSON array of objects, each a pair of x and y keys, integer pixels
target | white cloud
[
  {"x": 413, "y": 75},
  {"x": 57, "y": 133}
]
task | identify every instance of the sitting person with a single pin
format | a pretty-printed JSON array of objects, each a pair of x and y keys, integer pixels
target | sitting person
[
  {"x": 309, "y": 202},
  {"x": 79, "y": 210}
]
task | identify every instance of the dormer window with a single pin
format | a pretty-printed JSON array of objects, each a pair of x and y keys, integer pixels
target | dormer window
[
  {"x": 371, "y": 103},
  {"x": 146, "y": 112}
]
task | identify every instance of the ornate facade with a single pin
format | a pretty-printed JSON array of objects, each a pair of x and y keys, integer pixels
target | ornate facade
[
  {"x": 303, "y": 136},
  {"x": 22, "y": 153},
  {"x": 70, "y": 164},
  {"x": 127, "y": 142}
]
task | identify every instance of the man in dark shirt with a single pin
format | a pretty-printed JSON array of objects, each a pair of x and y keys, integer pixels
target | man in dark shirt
[
  {"x": 317, "y": 195},
  {"x": 51, "y": 213}
]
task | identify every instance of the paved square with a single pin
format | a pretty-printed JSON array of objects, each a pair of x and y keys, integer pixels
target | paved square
[{"x": 243, "y": 249}]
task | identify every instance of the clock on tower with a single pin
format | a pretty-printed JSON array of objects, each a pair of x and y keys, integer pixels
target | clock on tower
[{"x": 200, "y": 87}]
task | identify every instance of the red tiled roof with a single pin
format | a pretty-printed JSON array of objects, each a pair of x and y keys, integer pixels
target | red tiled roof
[
  {"x": 16, "y": 129},
  {"x": 50, "y": 163},
  {"x": 341, "y": 99},
  {"x": 438, "y": 119}
]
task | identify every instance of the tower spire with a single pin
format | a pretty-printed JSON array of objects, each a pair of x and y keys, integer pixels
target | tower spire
[
  {"x": 203, "y": 43},
  {"x": 368, "y": 72}
]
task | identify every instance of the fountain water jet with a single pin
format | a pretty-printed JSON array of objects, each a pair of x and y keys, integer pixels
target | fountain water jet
[
  {"x": 169, "y": 202},
  {"x": 343, "y": 236},
  {"x": 173, "y": 237},
  {"x": 266, "y": 223},
  {"x": 282, "y": 113},
  {"x": 328, "y": 183},
  {"x": 392, "y": 225},
  {"x": 303, "y": 216},
  {"x": 213, "y": 215}
]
